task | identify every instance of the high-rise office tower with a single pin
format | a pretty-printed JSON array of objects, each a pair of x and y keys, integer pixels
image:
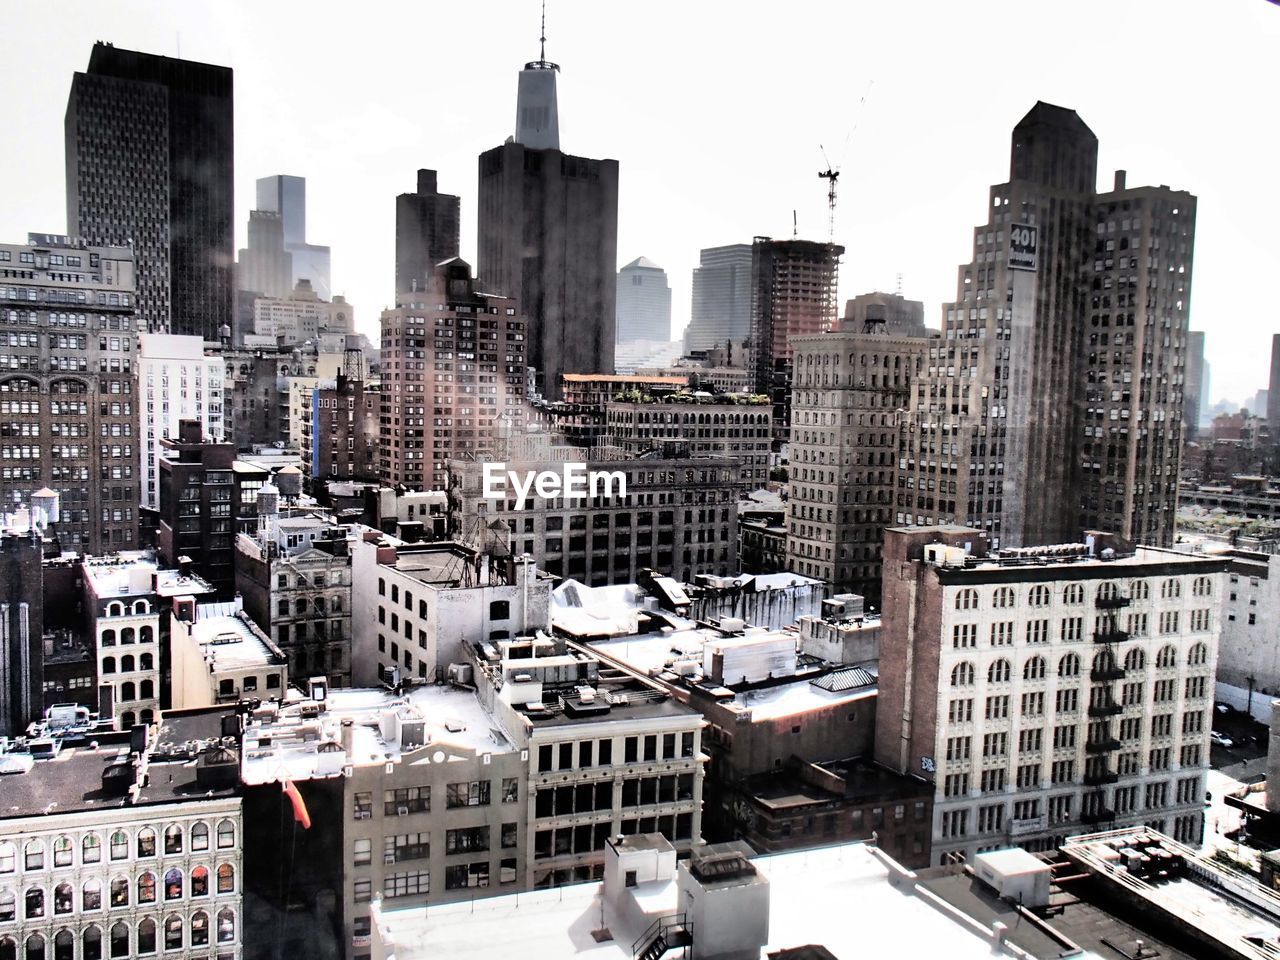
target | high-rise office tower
[
  {"x": 548, "y": 224},
  {"x": 1054, "y": 401},
  {"x": 427, "y": 232},
  {"x": 1193, "y": 386},
  {"x": 149, "y": 164},
  {"x": 436, "y": 406},
  {"x": 1273, "y": 386},
  {"x": 720, "y": 311},
  {"x": 793, "y": 291},
  {"x": 265, "y": 266},
  {"x": 644, "y": 302},
  {"x": 69, "y": 403},
  {"x": 287, "y": 196}
]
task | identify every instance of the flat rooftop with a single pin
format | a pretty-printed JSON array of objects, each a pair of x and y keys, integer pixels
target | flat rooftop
[
  {"x": 838, "y": 897},
  {"x": 230, "y": 640},
  {"x": 286, "y": 739}
]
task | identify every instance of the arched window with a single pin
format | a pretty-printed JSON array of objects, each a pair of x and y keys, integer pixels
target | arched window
[
  {"x": 967, "y": 599},
  {"x": 119, "y": 845},
  {"x": 1198, "y": 655},
  {"x": 226, "y": 925},
  {"x": 1039, "y": 596},
  {"x": 34, "y": 903},
  {"x": 33, "y": 855},
  {"x": 64, "y": 898},
  {"x": 1140, "y": 590},
  {"x": 1104, "y": 661},
  {"x": 199, "y": 836},
  {"x": 120, "y": 892},
  {"x": 147, "y": 888},
  {"x": 141, "y": 606},
  {"x": 1034, "y": 669},
  {"x": 173, "y": 884},
  {"x": 115, "y": 609},
  {"x": 1202, "y": 587},
  {"x": 226, "y": 878},
  {"x": 119, "y": 940},
  {"x": 8, "y": 857},
  {"x": 199, "y": 929},
  {"x": 146, "y": 691},
  {"x": 128, "y": 690},
  {"x": 1069, "y": 666},
  {"x": 64, "y": 945},
  {"x": 8, "y": 906},
  {"x": 226, "y": 834},
  {"x": 128, "y": 635},
  {"x": 1167, "y": 657},
  {"x": 8, "y": 948},
  {"x": 91, "y": 848},
  {"x": 91, "y": 894},
  {"x": 173, "y": 932},
  {"x": 34, "y": 948},
  {"x": 1135, "y": 659},
  {"x": 127, "y": 664},
  {"x": 91, "y": 943},
  {"x": 300, "y": 606},
  {"x": 173, "y": 838},
  {"x": 127, "y": 719},
  {"x": 146, "y": 662},
  {"x": 146, "y": 717},
  {"x": 108, "y": 638},
  {"x": 146, "y": 635},
  {"x": 200, "y": 882},
  {"x": 1170, "y": 589},
  {"x": 1073, "y": 593},
  {"x": 108, "y": 664},
  {"x": 146, "y": 935},
  {"x": 62, "y": 848},
  {"x": 999, "y": 672},
  {"x": 1003, "y": 597},
  {"x": 962, "y": 675}
]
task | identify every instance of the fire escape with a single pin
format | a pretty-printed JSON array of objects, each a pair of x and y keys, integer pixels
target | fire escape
[{"x": 1104, "y": 707}]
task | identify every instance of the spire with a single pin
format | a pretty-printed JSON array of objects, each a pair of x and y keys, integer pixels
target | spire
[{"x": 542, "y": 50}]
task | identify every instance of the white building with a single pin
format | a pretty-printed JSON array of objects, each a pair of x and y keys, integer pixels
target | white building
[
  {"x": 644, "y": 302},
  {"x": 105, "y": 852},
  {"x": 301, "y": 316},
  {"x": 177, "y": 381},
  {"x": 1046, "y": 688},
  {"x": 220, "y": 655},
  {"x": 1249, "y": 657}
]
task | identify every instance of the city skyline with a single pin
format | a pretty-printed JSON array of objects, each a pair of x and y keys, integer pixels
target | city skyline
[{"x": 903, "y": 209}]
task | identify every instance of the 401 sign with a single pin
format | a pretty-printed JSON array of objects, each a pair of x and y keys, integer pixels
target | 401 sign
[{"x": 1022, "y": 246}]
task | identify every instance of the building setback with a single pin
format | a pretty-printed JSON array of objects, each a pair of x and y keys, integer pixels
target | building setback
[
  {"x": 1048, "y": 689},
  {"x": 68, "y": 418},
  {"x": 644, "y": 302},
  {"x": 848, "y": 392},
  {"x": 548, "y": 236},
  {"x": 427, "y": 232},
  {"x": 287, "y": 197},
  {"x": 149, "y": 164},
  {"x": 453, "y": 376},
  {"x": 1062, "y": 357},
  {"x": 720, "y": 312}
]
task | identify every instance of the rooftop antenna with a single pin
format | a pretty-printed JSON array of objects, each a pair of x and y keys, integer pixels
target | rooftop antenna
[
  {"x": 795, "y": 226},
  {"x": 542, "y": 40},
  {"x": 898, "y": 289}
]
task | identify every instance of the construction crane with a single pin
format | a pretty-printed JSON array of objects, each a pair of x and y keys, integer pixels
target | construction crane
[{"x": 831, "y": 175}]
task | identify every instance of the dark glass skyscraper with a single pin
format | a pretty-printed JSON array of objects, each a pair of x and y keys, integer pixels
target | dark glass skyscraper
[
  {"x": 149, "y": 164},
  {"x": 428, "y": 227}
]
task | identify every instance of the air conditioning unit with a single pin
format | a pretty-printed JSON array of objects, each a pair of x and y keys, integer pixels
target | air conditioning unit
[
  {"x": 402, "y": 811},
  {"x": 363, "y": 814},
  {"x": 388, "y": 858}
]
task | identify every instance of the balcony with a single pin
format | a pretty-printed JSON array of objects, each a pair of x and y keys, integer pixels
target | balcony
[
  {"x": 1111, "y": 636},
  {"x": 1107, "y": 673},
  {"x": 1109, "y": 745},
  {"x": 1113, "y": 603},
  {"x": 1098, "y": 778},
  {"x": 1100, "y": 815},
  {"x": 1105, "y": 709}
]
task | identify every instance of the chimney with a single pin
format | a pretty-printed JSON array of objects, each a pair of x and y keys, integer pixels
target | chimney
[
  {"x": 1120, "y": 177},
  {"x": 348, "y": 737}
]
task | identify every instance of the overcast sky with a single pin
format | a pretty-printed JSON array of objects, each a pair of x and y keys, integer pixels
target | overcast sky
[{"x": 715, "y": 110}]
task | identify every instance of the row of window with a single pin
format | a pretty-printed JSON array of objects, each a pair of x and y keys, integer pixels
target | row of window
[
  {"x": 1041, "y": 595},
  {"x": 63, "y": 847},
  {"x": 1036, "y": 668},
  {"x": 175, "y": 888},
  {"x": 125, "y": 941}
]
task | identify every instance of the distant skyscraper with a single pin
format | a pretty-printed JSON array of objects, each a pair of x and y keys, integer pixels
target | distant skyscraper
[
  {"x": 548, "y": 225},
  {"x": 287, "y": 196},
  {"x": 265, "y": 266},
  {"x": 427, "y": 232},
  {"x": 1194, "y": 384},
  {"x": 793, "y": 291},
  {"x": 149, "y": 164},
  {"x": 1054, "y": 403},
  {"x": 1273, "y": 387},
  {"x": 644, "y": 302},
  {"x": 721, "y": 309}
]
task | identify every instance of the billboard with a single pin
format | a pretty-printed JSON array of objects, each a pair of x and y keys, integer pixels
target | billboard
[{"x": 1022, "y": 246}]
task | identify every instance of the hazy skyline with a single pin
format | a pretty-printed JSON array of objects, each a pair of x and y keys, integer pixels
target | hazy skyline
[{"x": 715, "y": 112}]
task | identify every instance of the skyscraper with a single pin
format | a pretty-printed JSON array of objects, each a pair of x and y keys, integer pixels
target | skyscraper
[
  {"x": 644, "y": 302},
  {"x": 720, "y": 312},
  {"x": 548, "y": 225},
  {"x": 427, "y": 232},
  {"x": 287, "y": 196},
  {"x": 1054, "y": 402},
  {"x": 149, "y": 164},
  {"x": 1273, "y": 387},
  {"x": 793, "y": 291},
  {"x": 265, "y": 266},
  {"x": 1193, "y": 386}
]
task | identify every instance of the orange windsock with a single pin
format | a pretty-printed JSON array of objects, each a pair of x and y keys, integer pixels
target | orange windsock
[{"x": 300, "y": 813}]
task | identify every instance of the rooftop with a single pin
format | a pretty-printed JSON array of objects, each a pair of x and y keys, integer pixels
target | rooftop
[
  {"x": 301, "y": 738},
  {"x": 136, "y": 573},
  {"x": 230, "y": 639}
]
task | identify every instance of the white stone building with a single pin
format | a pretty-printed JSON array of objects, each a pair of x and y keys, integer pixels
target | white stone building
[
  {"x": 176, "y": 381},
  {"x": 1249, "y": 656}
]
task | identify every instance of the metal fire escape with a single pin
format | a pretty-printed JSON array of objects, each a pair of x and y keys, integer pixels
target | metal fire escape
[{"x": 1104, "y": 707}]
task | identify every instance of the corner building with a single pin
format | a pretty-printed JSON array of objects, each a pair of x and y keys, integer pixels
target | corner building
[
  {"x": 1062, "y": 357},
  {"x": 1047, "y": 691}
]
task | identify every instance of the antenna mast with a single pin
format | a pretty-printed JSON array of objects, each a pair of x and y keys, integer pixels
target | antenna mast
[{"x": 542, "y": 51}]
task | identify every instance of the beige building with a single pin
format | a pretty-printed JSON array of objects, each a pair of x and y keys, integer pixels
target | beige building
[
  {"x": 849, "y": 390},
  {"x": 301, "y": 316},
  {"x": 1048, "y": 690},
  {"x": 221, "y": 656}
]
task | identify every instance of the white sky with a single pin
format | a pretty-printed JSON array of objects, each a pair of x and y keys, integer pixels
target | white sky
[{"x": 715, "y": 110}]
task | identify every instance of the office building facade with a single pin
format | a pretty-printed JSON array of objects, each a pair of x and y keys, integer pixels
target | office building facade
[
  {"x": 428, "y": 227},
  {"x": 720, "y": 310},
  {"x": 643, "y": 303},
  {"x": 286, "y": 196}
]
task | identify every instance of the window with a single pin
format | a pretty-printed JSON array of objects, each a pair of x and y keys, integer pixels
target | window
[
  {"x": 200, "y": 882},
  {"x": 1003, "y": 597},
  {"x": 362, "y": 852},
  {"x": 91, "y": 848},
  {"x": 226, "y": 834},
  {"x": 467, "y": 794},
  {"x": 1039, "y": 596},
  {"x": 173, "y": 884},
  {"x": 173, "y": 932},
  {"x": 8, "y": 857},
  {"x": 500, "y": 610},
  {"x": 405, "y": 801},
  {"x": 33, "y": 855},
  {"x": 226, "y": 878},
  {"x": 510, "y": 790},
  {"x": 406, "y": 846},
  {"x": 1069, "y": 666},
  {"x": 199, "y": 929},
  {"x": 120, "y": 892},
  {"x": 173, "y": 839},
  {"x": 146, "y": 842},
  {"x": 999, "y": 671},
  {"x": 199, "y": 836},
  {"x": 226, "y": 925},
  {"x": 363, "y": 889},
  {"x": 147, "y": 888},
  {"x": 412, "y": 883},
  {"x": 1034, "y": 669},
  {"x": 967, "y": 599},
  {"x": 961, "y": 676},
  {"x": 464, "y": 875},
  {"x": 91, "y": 895},
  {"x": 466, "y": 839}
]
